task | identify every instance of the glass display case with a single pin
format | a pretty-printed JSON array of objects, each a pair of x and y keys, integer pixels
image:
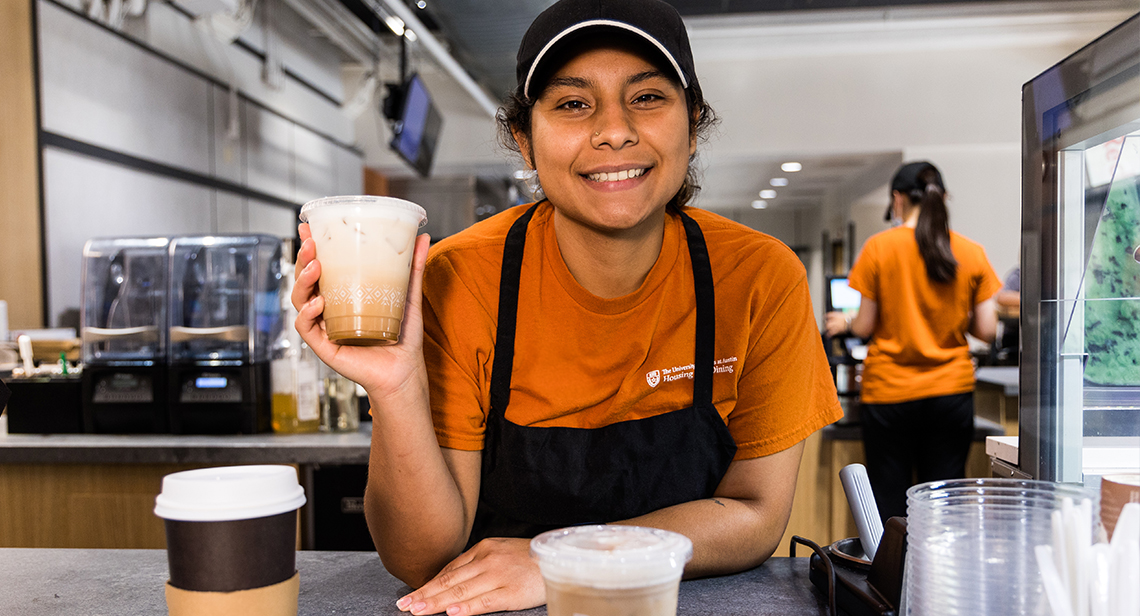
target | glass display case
[{"x": 1080, "y": 261}]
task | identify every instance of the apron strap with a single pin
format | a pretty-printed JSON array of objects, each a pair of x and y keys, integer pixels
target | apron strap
[
  {"x": 508, "y": 313},
  {"x": 706, "y": 312}
]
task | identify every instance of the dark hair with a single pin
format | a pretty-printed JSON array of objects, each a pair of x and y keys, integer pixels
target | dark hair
[
  {"x": 515, "y": 113},
  {"x": 922, "y": 184}
]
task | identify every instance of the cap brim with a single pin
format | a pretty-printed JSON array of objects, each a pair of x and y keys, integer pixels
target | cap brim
[{"x": 608, "y": 23}]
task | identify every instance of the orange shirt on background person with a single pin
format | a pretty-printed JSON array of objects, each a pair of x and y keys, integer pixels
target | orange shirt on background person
[
  {"x": 584, "y": 361},
  {"x": 919, "y": 349}
]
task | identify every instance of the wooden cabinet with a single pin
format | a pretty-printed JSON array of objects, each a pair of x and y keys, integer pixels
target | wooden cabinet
[{"x": 20, "y": 233}]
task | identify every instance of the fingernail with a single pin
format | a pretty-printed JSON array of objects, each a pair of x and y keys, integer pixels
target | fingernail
[
  {"x": 308, "y": 266},
  {"x": 403, "y": 603},
  {"x": 453, "y": 610},
  {"x": 419, "y": 606}
]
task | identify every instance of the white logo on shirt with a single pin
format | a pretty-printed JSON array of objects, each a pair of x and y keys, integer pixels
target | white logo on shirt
[{"x": 653, "y": 378}]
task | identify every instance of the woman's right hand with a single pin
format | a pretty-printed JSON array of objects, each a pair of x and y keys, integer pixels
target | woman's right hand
[
  {"x": 381, "y": 370},
  {"x": 836, "y": 323}
]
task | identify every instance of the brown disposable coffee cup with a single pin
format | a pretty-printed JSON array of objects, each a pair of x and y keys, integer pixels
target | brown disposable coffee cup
[
  {"x": 611, "y": 570},
  {"x": 1115, "y": 492},
  {"x": 231, "y": 531},
  {"x": 365, "y": 246}
]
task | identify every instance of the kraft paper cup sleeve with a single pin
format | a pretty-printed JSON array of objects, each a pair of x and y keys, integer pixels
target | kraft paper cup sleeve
[{"x": 275, "y": 600}]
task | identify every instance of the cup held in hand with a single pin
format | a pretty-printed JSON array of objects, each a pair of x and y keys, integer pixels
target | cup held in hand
[{"x": 365, "y": 246}]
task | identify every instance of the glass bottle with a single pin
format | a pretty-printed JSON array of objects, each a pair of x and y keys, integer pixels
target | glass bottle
[
  {"x": 295, "y": 406},
  {"x": 340, "y": 410}
]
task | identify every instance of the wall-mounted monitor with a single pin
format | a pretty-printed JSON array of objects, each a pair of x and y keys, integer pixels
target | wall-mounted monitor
[{"x": 416, "y": 125}]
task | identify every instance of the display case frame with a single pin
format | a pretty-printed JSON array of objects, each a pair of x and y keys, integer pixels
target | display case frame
[{"x": 1088, "y": 99}]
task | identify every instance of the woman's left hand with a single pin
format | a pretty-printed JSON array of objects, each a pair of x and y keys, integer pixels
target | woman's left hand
[{"x": 494, "y": 576}]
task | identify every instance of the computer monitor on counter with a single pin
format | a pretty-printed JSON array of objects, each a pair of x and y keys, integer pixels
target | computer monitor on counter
[{"x": 841, "y": 297}]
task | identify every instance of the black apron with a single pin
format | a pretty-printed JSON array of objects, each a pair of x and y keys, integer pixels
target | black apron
[{"x": 538, "y": 479}]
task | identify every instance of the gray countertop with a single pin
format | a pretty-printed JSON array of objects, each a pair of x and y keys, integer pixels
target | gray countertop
[
  {"x": 317, "y": 448},
  {"x": 1005, "y": 377},
  {"x": 40, "y": 582}
]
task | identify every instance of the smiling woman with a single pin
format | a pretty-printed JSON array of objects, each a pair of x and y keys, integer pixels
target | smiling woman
[{"x": 605, "y": 355}]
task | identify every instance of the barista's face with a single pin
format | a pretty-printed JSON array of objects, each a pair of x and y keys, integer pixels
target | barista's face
[{"x": 610, "y": 139}]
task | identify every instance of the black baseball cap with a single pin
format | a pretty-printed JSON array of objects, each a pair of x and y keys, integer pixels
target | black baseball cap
[
  {"x": 654, "y": 21},
  {"x": 906, "y": 180}
]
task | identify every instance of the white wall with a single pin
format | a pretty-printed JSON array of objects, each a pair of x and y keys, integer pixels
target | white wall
[
  {"x": 159, "y": 157},
  {"x": 986, "y": 209},
  {"x": 947, "y": 89}
]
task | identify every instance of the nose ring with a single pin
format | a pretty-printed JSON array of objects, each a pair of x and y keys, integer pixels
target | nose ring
[{"x": 597, "y": 133}]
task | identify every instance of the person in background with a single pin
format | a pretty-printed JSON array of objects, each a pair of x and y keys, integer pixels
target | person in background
[
  {"x": 1007, "y": 343},
  {"x": 1009, "y": 297},
  {"x": 924, "y": 288},
  {"x": 605, "y": 355}
]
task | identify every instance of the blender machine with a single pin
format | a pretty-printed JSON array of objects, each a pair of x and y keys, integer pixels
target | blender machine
[
  {"x": 225, "y": 312},
  {"x": 123, "y": 331}
]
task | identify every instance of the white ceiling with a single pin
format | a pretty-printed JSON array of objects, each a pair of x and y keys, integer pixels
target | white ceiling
[{"x": 736, "y": 167}]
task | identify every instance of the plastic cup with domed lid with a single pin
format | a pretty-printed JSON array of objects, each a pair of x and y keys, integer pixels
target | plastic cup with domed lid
[
  {"x": 365, "y": 246},
  {"x": 613, "y": 570},
  {"x": 231, "y": 536}
]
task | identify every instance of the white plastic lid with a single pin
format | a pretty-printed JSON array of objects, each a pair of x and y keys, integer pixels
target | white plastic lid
[
  {"x": 366, "y": 201},
  {"x": 229, "y": 493},
  {"x": 611, "y": 556}
]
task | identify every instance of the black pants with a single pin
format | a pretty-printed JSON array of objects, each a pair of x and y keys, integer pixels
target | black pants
[{"x": 927, "y": 439}]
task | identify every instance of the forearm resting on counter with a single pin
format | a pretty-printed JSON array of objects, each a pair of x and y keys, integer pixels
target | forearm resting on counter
[{"x": 742, "y": 524}]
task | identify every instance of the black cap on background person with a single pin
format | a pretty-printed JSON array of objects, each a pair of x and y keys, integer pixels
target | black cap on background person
[{"x": 909, "y": 178}]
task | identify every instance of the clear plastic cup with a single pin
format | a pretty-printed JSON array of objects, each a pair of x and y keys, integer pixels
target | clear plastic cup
[
  {"x": 970, "y": 544},
  {"x": 365, "y": 246},
  {"x": 611, "y": 570}
]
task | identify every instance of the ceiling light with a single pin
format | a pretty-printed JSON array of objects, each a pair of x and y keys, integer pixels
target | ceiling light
[
  {"x": 410, "y": 35},
  {"x": 778, "y": 182},
  {"x": 395, "y": 24},
  {"x": 768, "y": 194},
  {"x": 759, "y": 204},
  {"x": 791, "y": 167},
  {"x": 421, "y": 4}
]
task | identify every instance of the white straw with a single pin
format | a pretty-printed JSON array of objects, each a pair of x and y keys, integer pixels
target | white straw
[
  {"x": 1060, "y": 562},
  {"x": 1125, "y": 596},
  {"x": 1100, "y": 579},
  {"x": 1054, "y": 588},
  {"x": 1081, "y": 533}
]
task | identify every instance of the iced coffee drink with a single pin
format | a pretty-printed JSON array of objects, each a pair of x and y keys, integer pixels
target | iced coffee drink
[
  {"x": 611, "y": 570},
  {"x": 364, "y": 246}
]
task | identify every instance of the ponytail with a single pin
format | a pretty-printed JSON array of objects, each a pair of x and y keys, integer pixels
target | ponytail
[{"x": 933, "y": 230}]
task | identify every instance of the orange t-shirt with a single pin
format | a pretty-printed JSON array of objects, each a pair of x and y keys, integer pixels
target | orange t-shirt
[
  {"x": 584, "y": 361},
  {"x": 919, "y": 348}
]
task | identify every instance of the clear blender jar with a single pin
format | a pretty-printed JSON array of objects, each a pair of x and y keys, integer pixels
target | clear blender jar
[
  {"x": 224, "y": 316},
  {"x": 123, "y": 334}
]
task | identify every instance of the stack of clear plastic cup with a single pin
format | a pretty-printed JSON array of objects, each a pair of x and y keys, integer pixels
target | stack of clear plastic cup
[{"x": 970, "y": 544}]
